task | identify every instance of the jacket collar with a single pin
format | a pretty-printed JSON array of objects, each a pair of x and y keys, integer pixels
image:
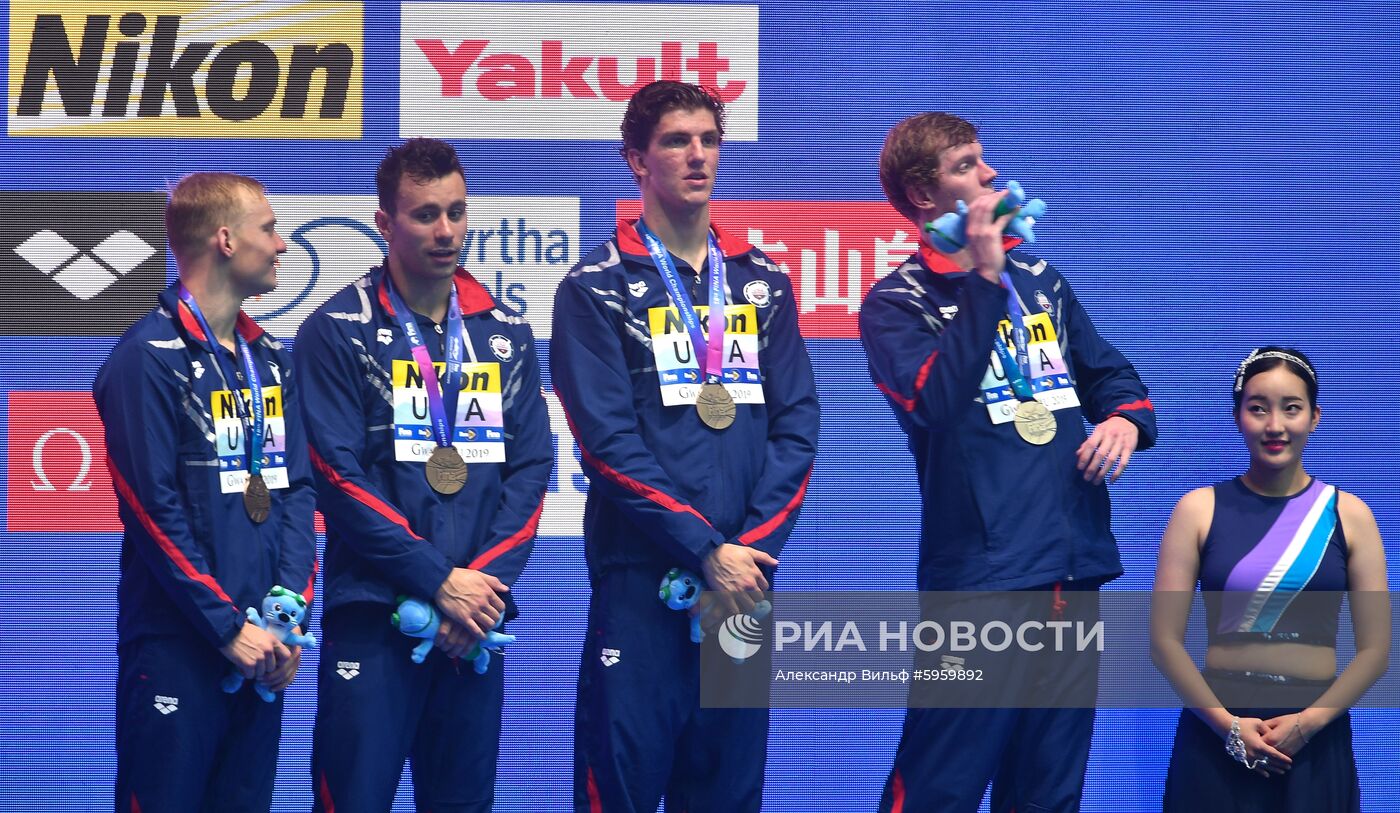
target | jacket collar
[
  {"x": 940, "y": 263},
  {"x": 630, "y": 242},
  {"x": 472, "y": 296},
  {"x": 250, "y": 331}
]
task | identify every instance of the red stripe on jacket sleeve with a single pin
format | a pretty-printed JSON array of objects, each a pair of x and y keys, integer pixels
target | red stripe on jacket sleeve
[
  {"x": 919, "y": 381},
  {"x": 897, "y": 793},
  {"x": 165, "y": 543},
  {"x": 1145, "y": 403},
  {"x": 906, "y": 403},
  {"x": 324, "y": 786},
  {"x": 635, "y": 486},
  {"x": 519, "y": 537},
  {"x": 595, "y": 803},
  {"x": 359, "y": 494},
  {"x": 751, "y": 536},
  {"x": 310, "y": 592}
]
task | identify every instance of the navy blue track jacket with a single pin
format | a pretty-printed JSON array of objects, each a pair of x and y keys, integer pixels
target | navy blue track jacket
[
  {"x": 665, "y": 490},
  {"x": 191, "y": 557},
  {"x": 387, "y": 531},
  {"x": 998, "y": 512}
]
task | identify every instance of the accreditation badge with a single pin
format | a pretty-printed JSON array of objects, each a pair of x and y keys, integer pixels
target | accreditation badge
[
  {"x": 231, "y": 444},
  {"x": 678, "y": 369},
  {"x": 1050, "y": 379},
  {"x": 478, "y": 431}
]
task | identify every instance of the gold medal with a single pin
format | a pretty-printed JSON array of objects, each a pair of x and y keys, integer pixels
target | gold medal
[
  {"x": 715, "y": 405},
  {"x": 446, "y": 470},
  {"x": 257, "y": 500},
  {"x": 1034, "y": 423}
]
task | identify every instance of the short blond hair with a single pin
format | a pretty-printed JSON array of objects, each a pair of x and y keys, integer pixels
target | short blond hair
[{"x": 202, "y": 202}]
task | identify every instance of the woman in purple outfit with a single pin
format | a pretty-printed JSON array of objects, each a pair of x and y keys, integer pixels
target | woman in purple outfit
[{"x": 1266, "y": 724}]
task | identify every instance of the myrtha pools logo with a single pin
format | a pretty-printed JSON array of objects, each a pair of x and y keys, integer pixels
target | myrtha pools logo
[{"x": 519, "y": 248}]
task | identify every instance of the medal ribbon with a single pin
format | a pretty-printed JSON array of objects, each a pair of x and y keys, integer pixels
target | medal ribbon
[
  {"x": 1017, "y": 367},
  {"x": 250, "y": 372},
  {"x": 712, "y": 366},
  {"x": 442, "y": 398}
]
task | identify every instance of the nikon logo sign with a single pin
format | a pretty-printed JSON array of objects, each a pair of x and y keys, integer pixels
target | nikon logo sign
[{"x": 181, "y": 70}]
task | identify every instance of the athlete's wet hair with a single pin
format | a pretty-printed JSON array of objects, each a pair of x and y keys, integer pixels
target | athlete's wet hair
[
  {"x": 648, "y": 105},
  {"x": 422, "y": 159},
  {"x": 200, "y": 203},
  {"x": 912, "y": 153}
]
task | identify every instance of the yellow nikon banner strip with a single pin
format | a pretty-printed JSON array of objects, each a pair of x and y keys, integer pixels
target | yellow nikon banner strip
[{"x": 186, "y": 70}]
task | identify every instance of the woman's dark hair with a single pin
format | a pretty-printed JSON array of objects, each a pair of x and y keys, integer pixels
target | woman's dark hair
[{"x": 1263, "y": 359}]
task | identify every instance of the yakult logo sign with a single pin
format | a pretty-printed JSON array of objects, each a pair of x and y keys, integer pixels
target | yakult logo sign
[
  {"x": 518, "y": 247},
  {"x": 833, "y": 251},
  {"x": 566, "y": 70}
]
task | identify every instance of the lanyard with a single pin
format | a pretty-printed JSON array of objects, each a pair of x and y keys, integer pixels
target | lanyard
[
  {"x": 250, "y": 371},
  {"x": 442, "y": 398},
  {"x": 712, "y": 365},
  {"x": 1017, "y": 367}
]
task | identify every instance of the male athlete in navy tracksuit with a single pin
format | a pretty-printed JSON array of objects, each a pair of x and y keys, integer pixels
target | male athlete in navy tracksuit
[
  {"x": 669, "y": 485},
  {"x": 447, "y": 517},
  {"x": 1013, "y": 493},
  {"x": 197, "y": 550}
]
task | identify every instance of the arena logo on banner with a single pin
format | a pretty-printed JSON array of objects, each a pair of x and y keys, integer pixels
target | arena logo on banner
[
  {"x": 833, "y": 251},
  {"x": 79, "y": 263},
  {"x": 58, "y": 479},
  {"x": 566, "y": 70},
  {"x": 186, "y": 69},
  {"x": 518, "y": 247}
]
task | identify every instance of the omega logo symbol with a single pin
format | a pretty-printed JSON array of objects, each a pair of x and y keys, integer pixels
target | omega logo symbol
[{"x": 80, "y": 481}]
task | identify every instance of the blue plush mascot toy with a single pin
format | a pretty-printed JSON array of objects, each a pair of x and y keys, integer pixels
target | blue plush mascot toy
[
  {"x": 282, "y": 610},
  {"x": 681, "y": 589},
  {"x": 949, "y": 232},
  {"x": 420, "y": 619}
]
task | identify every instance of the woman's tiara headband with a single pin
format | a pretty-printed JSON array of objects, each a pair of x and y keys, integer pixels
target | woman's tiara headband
[{"x": 1256, "y": 355}]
